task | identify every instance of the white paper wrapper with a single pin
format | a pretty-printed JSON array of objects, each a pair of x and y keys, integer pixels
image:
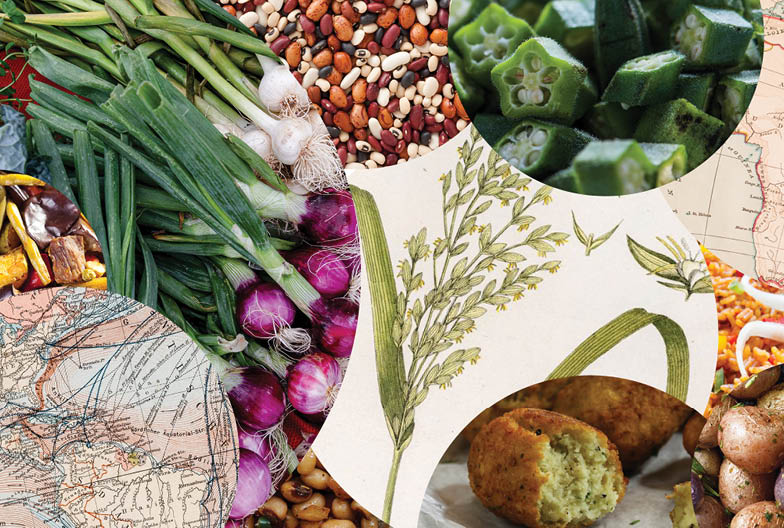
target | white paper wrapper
[{"x": 450, "y": 503}]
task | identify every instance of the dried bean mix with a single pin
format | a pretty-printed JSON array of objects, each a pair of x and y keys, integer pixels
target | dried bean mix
[{"x": 378, "y": 71}]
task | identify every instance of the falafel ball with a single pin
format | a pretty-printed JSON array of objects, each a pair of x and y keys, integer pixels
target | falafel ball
[{"x": 545, "y": 470}]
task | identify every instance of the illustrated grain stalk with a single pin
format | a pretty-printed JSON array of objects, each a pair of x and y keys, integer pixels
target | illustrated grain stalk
[
  {"x": 465, "y": 283},
  {"x": 683, "y": 271}
]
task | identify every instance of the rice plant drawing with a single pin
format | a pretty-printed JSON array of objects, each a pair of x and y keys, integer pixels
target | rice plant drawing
[
  {"x": 446, "y": 284},
  {"x": 590, "y": 240},
  {"x": 683, "y": 271}
]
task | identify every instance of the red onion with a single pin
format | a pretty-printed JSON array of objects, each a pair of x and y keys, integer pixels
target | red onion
[
  {"x": 337, "y": 325},
  {"x": 322, "y": 269},
  {"x": 330, "y": 218},
  {"x": 313, "y": 383},
  {"x": 254, "y": 485},
  {"x": 263, "y": 309},
  {"x": 256, "y": 397},
  {"x": 257, "y": 443},
  {"x": 235, "y": 523}
]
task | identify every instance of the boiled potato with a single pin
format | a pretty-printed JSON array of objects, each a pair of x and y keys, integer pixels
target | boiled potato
[
  {"x": 691, "y": 432},
  {"x": 765, "y": 514},
  {"x": 711, "y": 514},
  {"x": 753, "y": 439},
  {"x": 739, "y": 488},
  {"x": 709, "y": 437},
  {"x": 709, "y": 459},
  {"x": 773, "y": 399},
  {"x": 757, "y": 384}
]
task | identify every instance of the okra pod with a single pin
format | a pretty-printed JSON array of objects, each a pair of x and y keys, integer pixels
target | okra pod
[
  {"x": 670, "y": 161},
  {"x": 681, "y": 122},
  {"x": 711, "y": 37},
  {"x": 564, "y": 180},
  {"x": 620, "y": 34},
  {"x": 733, "y": 95},
  {"x": 490, "y": 39},
  {"x": 611, "y": 120},
  {"x": 570, "y": 22},
  {"x": 541, "y": 79},
  {"x": 696, "y": 88},
  {"x": 461, "y": 12},
  {"x": 613, "y": 167},
  {"x": 493, "y": 127},
  {"x": 471, "y": 94},
  {"x": 538, "y": 148},
  {"x": 646, "y": 80}
]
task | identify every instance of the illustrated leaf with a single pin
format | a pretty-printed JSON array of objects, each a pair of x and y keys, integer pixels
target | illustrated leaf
[
  {"x": 704, "y": 285},
  {"x": 440, "y": 248},
  {"x": 420, "y": 397},
  {"x": 459, "y": 268},
  {"x": 460, "y": 249},
  {"x": 605, "y": 237},
  {"x": 511, "y": 257},
  {"x": 578, "y": 231},
  {"x": 675, "y": 285},
  {"x": 475, "y": 312},
  {"x": 651, "y": 261},
  {"x": 518, "y": 207},
  {"x": 481, "y": 208},
  {"x": 541, "y": 246},
  {"x": 496, "y": 248},
  {"x": 539, "y": 231}
]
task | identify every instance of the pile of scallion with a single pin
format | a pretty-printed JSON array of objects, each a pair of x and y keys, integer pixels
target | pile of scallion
[{"x": 217, "y": 197}]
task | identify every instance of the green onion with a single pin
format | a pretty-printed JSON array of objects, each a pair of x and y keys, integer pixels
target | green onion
[
  {"x": 192, "y": 272},
  {"x": 113, "y": 250},
  {"x": 69, "y": 76},
  {"x": 127, "y": 214},
  {"x": 59, "y": 101},
  {"x": 185, "y": 295},
  {"x": 224, "y": 298},
  {"x": 45, "y": 145},
  {"x": 148, "y": 287},
  {"x": 83, "y": 18},
  {"x": 89, "y": 189}
]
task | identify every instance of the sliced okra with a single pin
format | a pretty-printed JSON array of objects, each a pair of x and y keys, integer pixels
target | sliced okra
[
  {"x": 613, "y": 167},
  {"x": 587, "y": 96},
  {"x": 620, "y": 34},
  {"x": 658, "y": 24},
  {"x": 697, "y": 88},
  {"x": 528, "y": 10},
  {"x": 490, "y": 39},
  {"x": 570, "y": 22},
  {"x": 471, "y": 95},
  {"x": 645, "y": 80},
  {"x": 676, "y": 8},
  {"x": 681, "y": 122},
  {"x": 711, "y": 37},
  {"x": 670, "y": 161},
  {"x": 611, "y": 120},
  {"x": 733, "y": 95},
  {"x": 541, "y": 79},
  {"x": 493, "y": 126},
  {"x": 565, "y": 180},
  {"x": 538, "y": 148},
  {"x": 461, "y": 12}
]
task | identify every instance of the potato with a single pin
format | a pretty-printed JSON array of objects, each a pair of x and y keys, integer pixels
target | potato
[
  {"x": 691, "y": 432},
  {"x": 778, "y": 489},
  {"x": 759, "y": 515},
  {"x": 753, "y": 439},
  {"x": 709, "y": 437},
  {"x": 709, "y": 459},
  {"x": 757, "y": 384},
  {"x": 710, "y": 514},
  {"x": 739, "y": 488},
  {"x": 773, "y": 399}
]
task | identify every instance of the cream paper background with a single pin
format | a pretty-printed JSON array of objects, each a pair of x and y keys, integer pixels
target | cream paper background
[{"x": 520, "y": 346}]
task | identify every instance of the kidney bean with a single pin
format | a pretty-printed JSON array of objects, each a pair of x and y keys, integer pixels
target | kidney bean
[
  {"x": 400, "y": 146},
  {"x": 435, "y": 128},
  {"x": 443, "y": 18},
  {"x": 327, "y": 117},
  {"x": 325, "y": 24},
  {"x": 390, "y": 36},
  {"x": 442, "y": 138},
  {"x": 430, "y": 120},
  {"x": 391, "y": 159},
  {"x": 415, "y": 137},
  {"x": 373, "y": 47},
  {"x": 352, "y": 145},
  {"x": 417, "y": 64},
  {"x": 343, "y": 154},
  {"x": 327, "y": 105},
  {"x": 388, "y": 138},
  {"x": 417, "y": 117},
  {"x": 280, "y": 44},
  {"x": 373, "y": 109},
  {"x": 376, "y": 144},
  {"x": 372, "y": 91},
  {"x": 406, "y": 132},
  {"x": 383, "y": 81},
  {"x": 376, "y": 7},
  {"x": 442, "y": 74},
  {"x": 393, "y": 105},
  {"x": 450, "y": 127}
]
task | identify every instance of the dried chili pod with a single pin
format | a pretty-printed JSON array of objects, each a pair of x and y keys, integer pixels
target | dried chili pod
[{"x": 48, "y": 215}]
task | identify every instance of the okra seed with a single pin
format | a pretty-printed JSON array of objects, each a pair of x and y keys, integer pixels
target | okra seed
[
  {"x": 532, "y": 157},
  {"x": 550, "y": 75},
  {"x": 691, "y": 21},
  {"x": 539, "y": 138}
]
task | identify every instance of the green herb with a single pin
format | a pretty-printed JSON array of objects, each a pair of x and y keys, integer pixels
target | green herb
[
  {"x": 15, "y": 14},
  {"x": 683, "y": 272},
  {"x": 634, "y": 522},
  {"x": 591, "y": 241},
  {"x": 718, "y": 381}
]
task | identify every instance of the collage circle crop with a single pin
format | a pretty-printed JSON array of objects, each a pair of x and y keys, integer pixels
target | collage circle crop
[{"x": 369, "y": 263}]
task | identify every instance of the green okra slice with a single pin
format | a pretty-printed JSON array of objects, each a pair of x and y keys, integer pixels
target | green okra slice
[
  {"x": 658, "y": 23},
  {"x": 733, "y": 95},
  {"x": 646, "y": 80},
  {"x": 711, "y": 37},
  {"x": 676, "y": 8},
  {"x": 611, "y": 120},
  {"x": 538, "y": 148},
  {"x": 570, "y": 22},
  {"x": 471, "y": 95},
  {"x": 490, "y": 39},
  {"x": 681, "y": 122},
  {"x": 697, "y": 88},
  {"x": 613, "y": 167},
  {"x": 461, "y": 12},
  {"x": 587, "y": 96},
  {"x": 493, "y": 126},
  {"x": 565, "y": 180},
  {"x": 541, "y": 79},
  {"x": 620, "y": 34},
  {"x": 669, "y": 160}
]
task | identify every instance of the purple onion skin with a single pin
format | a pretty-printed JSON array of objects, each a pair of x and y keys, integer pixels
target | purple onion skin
[
  {"x": 312, "y": 382},
  {"x": 322, "y": 269},
  {"x": 336, "y": 325},
  {"x": 254, "y": 484},
  {"x": 330, "y": 218},
  {"x": 697, "y": 491},
  {"x": 235, "y": 523},
  {"x": 256, "y": 396},
  {"x": 778, "y": 488},
  {"x": 264, "y": 308},
  {"x": 255, "y": 443}
]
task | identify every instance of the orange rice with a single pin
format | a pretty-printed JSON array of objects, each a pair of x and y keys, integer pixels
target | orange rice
[{"x": 735, "y": 310}]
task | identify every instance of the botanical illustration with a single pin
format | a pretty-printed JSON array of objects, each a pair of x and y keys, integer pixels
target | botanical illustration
[
  {"x": 683, "y": 271},
  {"x": 591, "y": 241},
  {"x": 623, "y": 326},
  {"x": 469, "y": 269}
]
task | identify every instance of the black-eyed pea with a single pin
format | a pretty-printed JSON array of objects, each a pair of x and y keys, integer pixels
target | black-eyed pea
[
  {"x": 295, "y": 491},
  {"x": 338, "y": 523},
  {"x": 341, "y": 509},
  {"x": 291, "y": 521},
  {"x": 276, "y": 507},
  {"x": 370, "y": 522},
  {"x": 308, "y": 463},
  {"x": 317, "y": 499},
  {"x": 312, "y": 513},
  {"x": 317, "y": 479},
  {"x": 339, "y": 492}
]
